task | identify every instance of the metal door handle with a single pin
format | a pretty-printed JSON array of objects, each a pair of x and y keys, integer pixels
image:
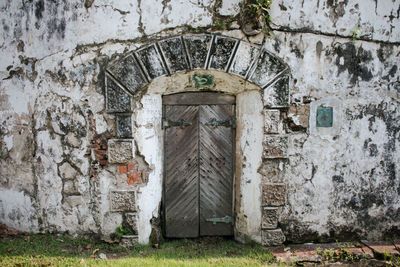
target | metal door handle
[
  {"x": 226, "y": 219},
  {"x": 228, "y": 123}
]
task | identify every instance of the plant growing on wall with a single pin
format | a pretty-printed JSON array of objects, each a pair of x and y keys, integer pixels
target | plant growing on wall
[{"x": 255, "y": 16}]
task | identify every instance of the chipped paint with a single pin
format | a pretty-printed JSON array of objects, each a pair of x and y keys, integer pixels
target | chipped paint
[{"x": 339, "y": 182}]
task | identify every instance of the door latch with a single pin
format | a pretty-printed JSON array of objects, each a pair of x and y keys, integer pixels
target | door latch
[
  {"x": 226, "y": 219},
  {"x": 228, "y": 123},
  {"x": 169, "y": 123}
]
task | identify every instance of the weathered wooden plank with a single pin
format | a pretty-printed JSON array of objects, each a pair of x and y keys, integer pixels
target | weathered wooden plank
[
  {"x": 181, "y": 173},
  {"x": 198, "y": 183},
  {"x": 199, "y": 98},
  {"x": 216, "y": 169}
]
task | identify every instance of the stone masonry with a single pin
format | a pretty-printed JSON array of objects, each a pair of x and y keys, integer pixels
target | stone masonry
[
  {"x": 317, "y": 105},
  {"x": 126, "y": 78}
]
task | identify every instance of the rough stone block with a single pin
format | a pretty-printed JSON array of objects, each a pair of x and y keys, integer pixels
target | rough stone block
[
  {"x": 124, "y": 126},
  {"x": 277, "y": 94},
  {"x": 131, "y": 220},
  {"x": 151, "y": 61},
  {"x": 382, "y": 247},
  {"x": 197, "y": 48},
  {"x": 273, "y": 170},
  {"x": 120, "y": 151},
  {"x": 244, "y": 57},
  {"x": 272, "y": 237},
  {"x": 274, "y": 195},
  {"x": 221, "y": 52},
  {"x": 269, "y": 218},
  {"x": 73, "y": 140},
  {"x": 299, "y": 116},
  {"x": 123, "y": 200},
  {"x": 272, "y": 121},
  {"x": 267, "y": 68},
  {"x": 129, "y": 241},
  {"x": 128, "y": 72},
  {"x": 69, "y": 187},
  {"x": 117, "y": 99},
  {"x": 67, "y": 171},
  {"x": 74, "y": 201},
  {"x": 275, "y": 147},
  {"x": 174, "y": 54}
]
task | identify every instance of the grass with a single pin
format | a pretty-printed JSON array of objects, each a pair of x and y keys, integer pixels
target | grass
[{"x": 53, "y": 250}]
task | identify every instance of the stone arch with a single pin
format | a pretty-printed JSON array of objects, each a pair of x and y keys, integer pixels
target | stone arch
[
  {"x": 260, "y": 82},
  {"x": 127, "y": 76}
]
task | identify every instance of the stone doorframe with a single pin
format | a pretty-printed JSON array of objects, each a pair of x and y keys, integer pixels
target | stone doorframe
[{"x": 134, "y": 85}]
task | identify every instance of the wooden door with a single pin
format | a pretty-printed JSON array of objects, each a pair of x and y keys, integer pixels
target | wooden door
[{"x": 199, "y": 132}]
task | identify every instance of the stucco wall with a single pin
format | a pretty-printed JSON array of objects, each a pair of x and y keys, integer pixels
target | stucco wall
[{"x": 341, "y": 182}]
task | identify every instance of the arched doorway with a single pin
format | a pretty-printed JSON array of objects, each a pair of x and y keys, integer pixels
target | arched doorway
[{"x": 136, "y": 84}]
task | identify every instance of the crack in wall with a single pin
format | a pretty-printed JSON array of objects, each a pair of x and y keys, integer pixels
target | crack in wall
[
  {"x": 140, "y": 23},
  {"x": 315, "y": 32}
]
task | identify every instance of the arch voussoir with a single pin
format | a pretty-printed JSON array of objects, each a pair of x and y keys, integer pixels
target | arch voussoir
[{"x": 198, "y": 52}]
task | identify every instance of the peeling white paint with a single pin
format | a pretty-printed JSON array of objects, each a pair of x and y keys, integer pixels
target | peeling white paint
[
  {"x": 17, "y": 210},
  {"x": 52, "y": 66},
  {"x": 250, "y": 122},
  {"x": 9, "y": 142}
]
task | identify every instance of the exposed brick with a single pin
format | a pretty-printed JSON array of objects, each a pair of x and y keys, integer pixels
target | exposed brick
[
  {"x": 131, "y": 166},
  {"x": 134, "y": 178},
  {"x": 274, "y": 195},
  {"x": 103, "y": 162},
  {"x": 102, "y": 152},
  {"x": 99, "y": 156},
  {"x": 123, "y": 169}
]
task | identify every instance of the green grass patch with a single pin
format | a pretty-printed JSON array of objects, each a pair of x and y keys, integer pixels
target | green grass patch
[{"x": 53, "y": 250}]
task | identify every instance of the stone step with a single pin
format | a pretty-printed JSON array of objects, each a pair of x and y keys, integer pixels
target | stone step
[{"x": 382, "y": 248}]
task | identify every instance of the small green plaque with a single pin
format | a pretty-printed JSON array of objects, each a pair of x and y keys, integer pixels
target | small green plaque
[
  {"x": 324, "y": 116},
  {"x": 202, "y": 80}
]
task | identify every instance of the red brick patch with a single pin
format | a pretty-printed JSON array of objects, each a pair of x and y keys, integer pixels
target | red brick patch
[
  {"x": 123, "y": 169},
  {"x": 131, "y": 166},
  {"x": 103, "y": 162},
  {"x": 99, "y": 156},
  {"x": 134, "y": 178}
]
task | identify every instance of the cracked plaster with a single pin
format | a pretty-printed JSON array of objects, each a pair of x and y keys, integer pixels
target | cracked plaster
[{"x": 52, "y": 64}]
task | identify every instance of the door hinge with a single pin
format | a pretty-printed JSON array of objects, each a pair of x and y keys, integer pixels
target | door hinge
[
  {"x": 168, "y": 123},
  {"x": 228, "y": 123},
  {"x": 226, "y": 219}
]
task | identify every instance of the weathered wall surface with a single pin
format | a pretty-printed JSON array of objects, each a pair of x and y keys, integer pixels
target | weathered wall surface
[{"x": 341, "y": 181}]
